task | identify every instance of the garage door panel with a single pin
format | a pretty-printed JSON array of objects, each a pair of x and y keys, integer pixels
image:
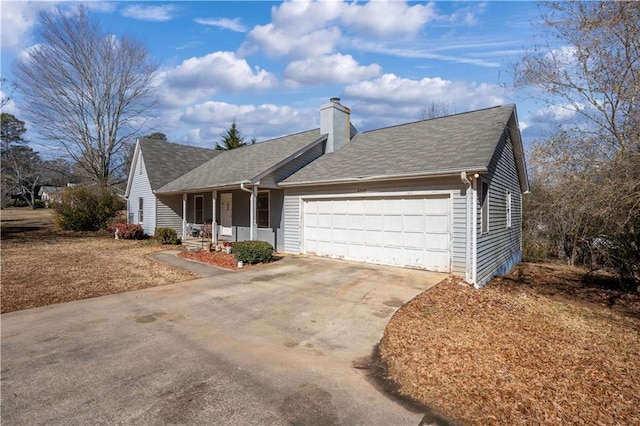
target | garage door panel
[
  {"x": 325, "y": 207},
  {"x": 436, "y": 241},
  {"x": 414, "y": 240},
  {"x": 356, "y": 207},
  {"x": 325, "y": 221},
  {"x": 355, "y": 222},
  {"x": 414, "y": 206},
  {"x": 392, "y": 223},
  {"x": 340, "y": 250},
  {"x": 374, "y": 238},
  {"x": 439, "y": 205},
  {"x": 374, "y": 206},
  {"x": 373, "y": 223},
  {"x": 356, "y": 237},
  {"x": 401, "y": 231},
  {"x": 340, "y": 221},
  {"x": 437, "y": 223},
  {"x": 340, "y": 236}
]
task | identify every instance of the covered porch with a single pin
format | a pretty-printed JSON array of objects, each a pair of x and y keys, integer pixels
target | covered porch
[{"x": 237, "y": 213}]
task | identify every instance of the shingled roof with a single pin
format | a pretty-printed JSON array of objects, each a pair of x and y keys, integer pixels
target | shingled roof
[
  {"x": 451, "y": 144},
  {"x": 244, "y": 164},
  {"x": 165, "y": 161}
]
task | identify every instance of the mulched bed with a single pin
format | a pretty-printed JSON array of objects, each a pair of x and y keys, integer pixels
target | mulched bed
[
  {"x": 218, "y": 258},
  {"x": 542, "y": 345}
]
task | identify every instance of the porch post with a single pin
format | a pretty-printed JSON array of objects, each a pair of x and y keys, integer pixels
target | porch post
[
  {"x": 214, "y": 224},
  {"x": 184, "y": 215},
  {"x": 254, "y": 197}
]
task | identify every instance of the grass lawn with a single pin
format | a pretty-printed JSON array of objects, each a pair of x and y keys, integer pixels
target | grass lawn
[
  {"x": 540, "y": 346},
  {"x": 42, "y": 265}
]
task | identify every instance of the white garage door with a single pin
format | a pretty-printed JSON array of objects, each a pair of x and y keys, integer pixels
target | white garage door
[{"x": 407, "y": 231}]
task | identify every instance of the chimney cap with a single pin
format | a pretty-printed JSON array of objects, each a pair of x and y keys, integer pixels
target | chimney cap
[{"x": 335, "y": 100}]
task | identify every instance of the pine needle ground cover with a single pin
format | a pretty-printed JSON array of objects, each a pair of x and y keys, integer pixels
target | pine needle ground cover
[{"x": 540, "y": 346}]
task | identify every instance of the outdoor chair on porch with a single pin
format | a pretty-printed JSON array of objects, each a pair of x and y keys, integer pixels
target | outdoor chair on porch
[{"x": 208, "y": 230}]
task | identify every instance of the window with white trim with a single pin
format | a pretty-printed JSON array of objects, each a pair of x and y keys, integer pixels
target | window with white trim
[
  {"x": 508, "y": 209},
  {"x": 484, "y": 211},
  {"x": 262, "y": 209},
  {"x": 198, "y": 213},
  {"x": 140, "y": 210}
]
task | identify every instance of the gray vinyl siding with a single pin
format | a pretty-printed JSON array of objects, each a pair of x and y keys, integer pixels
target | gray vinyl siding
[
  {"x": 293, "y": 196},
  {"x": 141, "y": 188},
  {"x": 459, "y": 235},
  {"x": 169, "y": 212},
  {"x": 500, "y": 248}
]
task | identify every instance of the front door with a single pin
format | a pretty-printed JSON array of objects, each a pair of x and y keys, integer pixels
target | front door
[{"x": 225, "y": 215}]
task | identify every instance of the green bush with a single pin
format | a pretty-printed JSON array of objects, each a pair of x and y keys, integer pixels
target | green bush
[
  {"x": 253, "y": 251},
  {"x": 82, "y": 208},
  {"x": 127, "y": 231},
  {"x": 166, "y": 236}
]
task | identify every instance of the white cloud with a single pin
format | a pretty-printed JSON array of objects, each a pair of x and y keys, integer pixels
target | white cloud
[
  {"x": 208, "y": 120},
  {"x": 559, "y": 112},
  {"x": 224, "y": 23},
  {"x": 149, "y": 13},
  {"x": 17, "y": 18},
  {"x": 392, "y": 89},
  {"x": 384, "y": 18},
  {"x": 198, "y": 78},
  {"x": 390, "y": 99},
  {"x": 335, "y": 68},
  {"x": 10, "y": 106},
  {"x": 276, "y": 41},
  {"x": 304, "y": 29}
]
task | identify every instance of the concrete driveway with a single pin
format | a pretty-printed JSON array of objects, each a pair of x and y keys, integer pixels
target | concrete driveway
[{"x": 273, "y": 344}]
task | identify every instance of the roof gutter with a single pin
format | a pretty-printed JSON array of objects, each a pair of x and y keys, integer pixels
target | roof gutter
[{"x": 382, "y": 178}]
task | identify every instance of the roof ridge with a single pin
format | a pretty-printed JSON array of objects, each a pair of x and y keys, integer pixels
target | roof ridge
[
  {"x": 174, "y": 143},
  {"x": 438, "y": 118}
]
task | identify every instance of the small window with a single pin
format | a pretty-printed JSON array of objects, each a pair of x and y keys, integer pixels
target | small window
[
  {"x": 508, "y": 209},
  {"x": 484, "y": 200},
  {"x": 262, "y": 209},
  {"x": 140, "y": 210}
]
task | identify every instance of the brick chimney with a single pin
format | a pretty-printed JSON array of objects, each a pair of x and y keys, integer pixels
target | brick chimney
[{"x": 334, "y": 121}]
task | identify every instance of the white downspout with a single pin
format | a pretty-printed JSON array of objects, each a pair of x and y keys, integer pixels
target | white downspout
[
  {"x": 474, "y": 234},
  {"x": 252, "y": 206},
  {"x": 468, "y": 261},
  {"x": 184, "y": 215}
]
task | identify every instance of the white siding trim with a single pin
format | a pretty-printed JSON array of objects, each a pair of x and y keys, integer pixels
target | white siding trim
[{"x": 384, "y": 194}]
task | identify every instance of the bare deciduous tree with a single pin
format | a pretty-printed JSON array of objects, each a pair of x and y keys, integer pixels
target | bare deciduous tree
[
  {"x": 5, "y": 98},
  {"x": 437, "y": 109},
  {"x": 589, "y": 172},
  {"x": 86, "y": 90},
  {"x": 21, "y": 165}
]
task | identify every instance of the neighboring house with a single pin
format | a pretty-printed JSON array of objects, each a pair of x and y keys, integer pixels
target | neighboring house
[
  {"x": 48, "y": 193},
  {"x": 443, "y": 194}
]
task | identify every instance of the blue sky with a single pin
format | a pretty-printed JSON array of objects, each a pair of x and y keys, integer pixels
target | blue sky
[{"x": 270, "y": 65}]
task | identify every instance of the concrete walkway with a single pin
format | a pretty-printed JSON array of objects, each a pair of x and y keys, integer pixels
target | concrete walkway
[{"x": 274, "y": 344}]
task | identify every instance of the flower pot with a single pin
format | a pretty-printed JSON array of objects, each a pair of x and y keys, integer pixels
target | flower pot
[
  {"x": 240, "y": 264},
  {"x": 228, "y": 250}
]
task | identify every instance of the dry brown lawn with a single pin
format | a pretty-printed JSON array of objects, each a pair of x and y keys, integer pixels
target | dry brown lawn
[
  {"x": 42, "y": 265},
  {"x": 543, "y": 345}
]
